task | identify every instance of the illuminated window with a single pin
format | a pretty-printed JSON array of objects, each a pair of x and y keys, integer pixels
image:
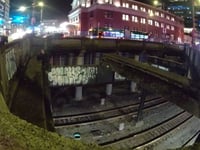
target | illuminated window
[
  {"x": 162, "y": 25},
  {"x": 157, "y": 24},
  {"x": 134, "y": 19},
  {"x": 125, "y": 17},
  {"x": 143, "y": 20},
  {"x": 150, "y": 11},
  {"x": 125, "y": 5},
  {"x": 172, "y": 28},
  {"x": 168, "y": 27},
  {"x": 167, "y": 17},
  {"x": 162, "y": 15},
  {"x": 150, "y": 22},
  {"x": 143, "y": 9},
  {"x": 172, "y": 18},
  {"x": 157, "y": 13},
  {"x": 135, "y": 7},
  {"x": 109, "y": 1}
]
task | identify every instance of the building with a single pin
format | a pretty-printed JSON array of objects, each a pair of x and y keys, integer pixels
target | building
[
  {"x": 4, "y": 16},
  {"x": 125, "y": 19},
  {"x": 189, "y": 10}
]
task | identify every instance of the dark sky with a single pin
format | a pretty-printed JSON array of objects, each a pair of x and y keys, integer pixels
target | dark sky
[{"x": 54, "y": 9}]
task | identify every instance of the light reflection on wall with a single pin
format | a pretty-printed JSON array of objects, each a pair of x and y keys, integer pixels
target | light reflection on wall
[{"x": 72, "y": 75}]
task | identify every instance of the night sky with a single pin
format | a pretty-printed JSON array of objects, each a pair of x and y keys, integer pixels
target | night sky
[{"x": 54, "y": 9}]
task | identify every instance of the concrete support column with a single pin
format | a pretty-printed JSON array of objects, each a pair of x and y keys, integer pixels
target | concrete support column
[
  {"x": 189, "y": 74},
  {"x": 136, "y": 57},
  {"x": 133, "y": 86},
  {"x": 70, "y": 60},
  {"x": 80, "y": 59},
  {"x": 97, "y": 58},
  {"x": 108, "y": 89},
  {"x": 78, "y": 93}
]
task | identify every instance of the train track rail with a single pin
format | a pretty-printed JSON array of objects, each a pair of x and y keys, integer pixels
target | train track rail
[
  {"x": 190, "y": 139},
  {"x": 109, "y": 114},
  {"x": 142, "y": 138}
]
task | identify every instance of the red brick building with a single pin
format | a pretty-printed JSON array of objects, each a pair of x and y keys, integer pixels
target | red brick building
[{"x": 125, "y": 19}]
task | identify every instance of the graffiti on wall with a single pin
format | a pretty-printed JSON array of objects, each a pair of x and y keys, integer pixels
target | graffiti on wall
[
  {"x": 119, "y": 77},
  {"x": 72, "y": 75},
  {"x": 11, "y": 66}
]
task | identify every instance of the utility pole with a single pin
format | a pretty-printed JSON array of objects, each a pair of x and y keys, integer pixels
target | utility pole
[
  {"x": 193, "y": 23},
  {"x": 33, "y": 19}
]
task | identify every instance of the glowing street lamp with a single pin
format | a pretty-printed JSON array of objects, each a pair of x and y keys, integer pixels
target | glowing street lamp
[
  {"x": 41, "y": 5},
  {"x": 22, "y": 8},
  {"x": 155, "y": 2},
  {"x": 158, "y": 3}
]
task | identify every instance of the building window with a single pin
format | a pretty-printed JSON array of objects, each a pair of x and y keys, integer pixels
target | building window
[
  {"x": 162, "y": 25},
  {"x": 150, "y": 22},
  {"x": 167, "y": 17},
  {"x": 172, "y": 28},
  {"x": 125, "y": 5},
  {"x": 109, "y": 1},
  {"x": 157, "y": 24},
  {"x": 91, "y": 14},
  {"x": 168, "y": 27},
  {"x": 143, "y": 9},
  {"x": 125, "y": 17},
  {"x": 172, "y": 18},
  {"x": 143, "y": 20},
  {"x": 108, "y": 14},
  {"x": 162, "y": 15},
  {"x": 157, "y": 13},
  {"x": 135, "y": 7},
  {"x": 150, "y": 11},
  {"x": 134, "y": 19}
]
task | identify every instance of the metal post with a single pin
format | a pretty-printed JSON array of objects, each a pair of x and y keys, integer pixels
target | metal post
[
  {"x": 41, "y": 14},
  {"x": 33, "y": 20},
  {"x": 193, "y": 23}
]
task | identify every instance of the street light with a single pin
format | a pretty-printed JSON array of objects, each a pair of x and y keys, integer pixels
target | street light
[
  {"x": 155, "y": 3},
  {"x": 158, "y": 4},
  {"x": 41, "y": 5},
  {"x": 22, "y": 8}
]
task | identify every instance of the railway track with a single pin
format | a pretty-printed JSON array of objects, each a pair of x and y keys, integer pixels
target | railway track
[
  {"x": 144, "y": 138},
  {"x": 109, "y": 114},
  {"x": 140, "y": 139}
]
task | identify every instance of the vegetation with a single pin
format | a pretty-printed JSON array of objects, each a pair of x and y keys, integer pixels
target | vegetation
[{"x": 17, "y": 134}]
